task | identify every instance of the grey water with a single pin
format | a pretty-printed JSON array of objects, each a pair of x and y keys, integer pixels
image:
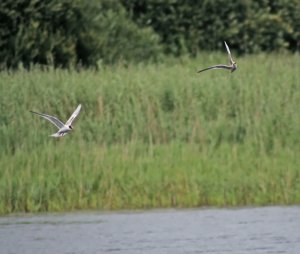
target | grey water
[{"x": 240, "y": 230}]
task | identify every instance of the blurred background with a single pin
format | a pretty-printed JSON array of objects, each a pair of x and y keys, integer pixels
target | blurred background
[{"x": 66, "y": 33}]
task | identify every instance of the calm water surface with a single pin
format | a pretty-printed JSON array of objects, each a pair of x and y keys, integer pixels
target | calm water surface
[{"x": 245, "y": 230}]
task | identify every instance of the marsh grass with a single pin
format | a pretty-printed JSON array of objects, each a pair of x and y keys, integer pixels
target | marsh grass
[{"x": 152, "y": 136}]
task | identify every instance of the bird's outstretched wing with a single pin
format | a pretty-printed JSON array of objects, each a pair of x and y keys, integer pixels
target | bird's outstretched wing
[
  {"x": 54, "y": 120},
  {"x": 74, "y": 115},
  {"x": 229, "y": 53},
  {"x": 218, "y": 66}
]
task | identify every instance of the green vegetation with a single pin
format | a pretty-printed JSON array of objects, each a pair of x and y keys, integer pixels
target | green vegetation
[
  {"x": 152, "y": 136},
  {"x": 193, "y": 26},
  {"x": 69, "y": 33}
]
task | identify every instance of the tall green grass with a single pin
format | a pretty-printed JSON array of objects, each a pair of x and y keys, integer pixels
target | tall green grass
[{"x": 152, "y": 136}]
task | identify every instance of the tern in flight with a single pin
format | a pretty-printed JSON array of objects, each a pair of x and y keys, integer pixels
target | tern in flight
[
  {"x": 63, "y": 129},
  {"x": 232, "y": 64}
]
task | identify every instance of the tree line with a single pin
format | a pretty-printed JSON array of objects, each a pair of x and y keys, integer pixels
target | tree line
[{"x": 66, "y": 33}]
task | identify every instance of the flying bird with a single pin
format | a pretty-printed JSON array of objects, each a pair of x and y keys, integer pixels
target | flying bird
[
  {"x": 232, "y": 64},
  {"x": 63, "y": 129}
]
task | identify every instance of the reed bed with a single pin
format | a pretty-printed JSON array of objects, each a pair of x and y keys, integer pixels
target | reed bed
[{"x": 152, "y": 136}]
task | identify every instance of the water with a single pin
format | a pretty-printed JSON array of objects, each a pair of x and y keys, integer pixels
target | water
[{"x": 246, "y": 230}]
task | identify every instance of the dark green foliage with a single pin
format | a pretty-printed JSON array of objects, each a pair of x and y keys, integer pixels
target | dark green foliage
[
  {"x": 108, "y": 35},
  {"x": 249, "y": 26},
  {"x": 66, "y": 32},
  {"x": 38, "y": 32}
]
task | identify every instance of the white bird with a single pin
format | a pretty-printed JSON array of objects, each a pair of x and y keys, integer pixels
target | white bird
[
  {"x": 63, "y": 129},
  {"x": 232, "y": 64}
]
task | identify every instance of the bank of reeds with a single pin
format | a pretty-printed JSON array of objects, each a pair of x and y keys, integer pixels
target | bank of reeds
[{"x": 152, "y": 136}]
